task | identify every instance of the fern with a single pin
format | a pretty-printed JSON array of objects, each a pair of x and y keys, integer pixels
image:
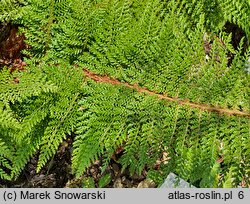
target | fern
[
  {"x": 130, "y": 75},
  {"x": 10, "y": 10}
]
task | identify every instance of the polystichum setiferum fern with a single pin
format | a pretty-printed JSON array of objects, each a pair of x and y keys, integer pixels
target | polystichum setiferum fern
[{"x": 161, "y": 93}]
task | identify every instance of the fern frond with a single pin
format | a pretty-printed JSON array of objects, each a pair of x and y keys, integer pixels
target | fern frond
[
  {"x": 62, "y": 122},
  {"x": 6, "y": 156},
  {"x": 10, "y": 10},
  {"x": 171, "y": 89}
]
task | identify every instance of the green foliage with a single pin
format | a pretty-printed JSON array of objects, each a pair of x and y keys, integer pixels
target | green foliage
[
  {"x": 104, "y": 181},
  {"x": 88, "y": 182},
  {"x": 158, "y": 45},
  {"x": 10, "y": 10},
  {"x": 42, "y": 107}
]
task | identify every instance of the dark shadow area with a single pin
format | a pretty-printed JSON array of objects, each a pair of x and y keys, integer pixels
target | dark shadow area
[{"x": 237, "y": 35}]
